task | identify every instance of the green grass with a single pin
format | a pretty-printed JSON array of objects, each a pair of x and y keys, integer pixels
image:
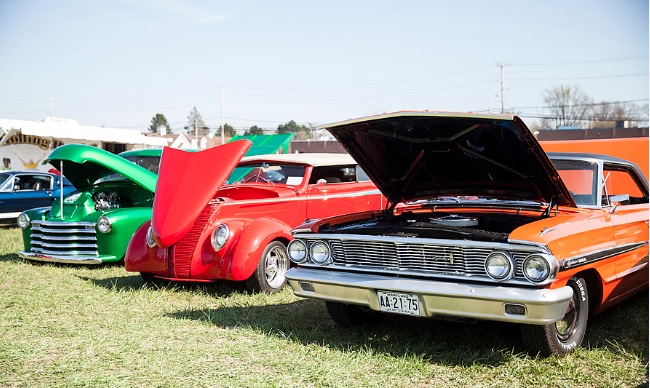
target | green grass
[{"x": 102, "y": 326}]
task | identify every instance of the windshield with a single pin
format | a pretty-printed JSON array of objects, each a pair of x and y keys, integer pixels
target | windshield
[
  {"x": 5, "y": 182},
  {"x": 579, "y": 176},
  {"x": 268, "y": 173},
  {"x": 151, "y": 163}
]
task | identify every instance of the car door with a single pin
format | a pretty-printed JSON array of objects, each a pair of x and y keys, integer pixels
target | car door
[
  {"x": 335, "y": 190},
  {"x": 627, "y": 201},
  {"x": 26, "y": 191}
]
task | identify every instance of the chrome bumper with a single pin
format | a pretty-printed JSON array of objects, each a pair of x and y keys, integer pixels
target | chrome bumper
[
  {"x": 437, "y": 298},
  {"x": 60, "y": 259}
]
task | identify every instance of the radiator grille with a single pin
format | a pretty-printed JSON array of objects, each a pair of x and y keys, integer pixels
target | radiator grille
[
  {"x": 180, "y": 255},
  {"x": 415, "y": 257},
  {"x": 64, "y": 238}
]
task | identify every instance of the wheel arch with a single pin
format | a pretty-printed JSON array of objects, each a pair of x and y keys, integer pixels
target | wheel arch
[
  {"x": 594, "y": 288},
  {"x": 251, "y": 243}
]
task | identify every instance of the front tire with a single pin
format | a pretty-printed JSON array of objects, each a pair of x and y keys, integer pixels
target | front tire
[
  {"x": 269, "y": 276},
  {"x": 351, "y": 315},
  {"x": 564, "y": 336}
]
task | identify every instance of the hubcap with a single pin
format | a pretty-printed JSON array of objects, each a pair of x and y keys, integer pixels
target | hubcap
[
  {"x": 276, "y": 264},
  {"x": 567, "y": 325}
]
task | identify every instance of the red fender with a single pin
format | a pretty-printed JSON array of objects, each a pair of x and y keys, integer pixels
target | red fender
[
  {"x": 139, "y": 258},
  {"x": 251, "y": 244}
]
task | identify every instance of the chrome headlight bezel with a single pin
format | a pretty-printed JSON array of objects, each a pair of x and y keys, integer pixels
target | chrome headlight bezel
[
  {"x": 319, "y": 253},
  {"x": 534, "y": 262},
  {"x": 151, "y": 242},
  {"x": 499, "y": 266},
  {"x": 104, "y": 224},
  {"x": 297, "y": 251},
  {"x": 23, "y": 220},
  {"x": 219, "y": 237}
]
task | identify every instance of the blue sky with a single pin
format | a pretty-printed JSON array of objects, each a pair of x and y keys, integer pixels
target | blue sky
[{"x": 119, "y": 62}]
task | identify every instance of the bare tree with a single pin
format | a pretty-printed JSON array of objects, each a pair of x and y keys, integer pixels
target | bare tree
[
  {"x": 195, "y": 124},
  {"x": 619, "y": 111},
  {"x": 568, "y": 105}
]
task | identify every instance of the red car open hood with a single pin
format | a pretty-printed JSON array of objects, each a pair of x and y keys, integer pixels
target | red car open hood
[{"x": 186, "y": 182}]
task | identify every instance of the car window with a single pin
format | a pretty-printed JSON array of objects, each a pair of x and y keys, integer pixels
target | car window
[
  {"x": 579, "y": 177},
  {"x": 37, "y": 182},
  {"x": 151, "y": 163},
  {"x": 275, "y": 173},
  {"x": 335, "y": 174},
  {"x": 620, "y": 186}
]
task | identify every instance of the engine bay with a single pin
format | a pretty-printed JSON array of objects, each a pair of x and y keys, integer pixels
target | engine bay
[{"x": 491, "y": 227}]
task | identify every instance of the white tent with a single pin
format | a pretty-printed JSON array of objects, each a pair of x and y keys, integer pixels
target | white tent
[
  {"x": 25, "y": 144},
  {"x": 69, "y": 131}
]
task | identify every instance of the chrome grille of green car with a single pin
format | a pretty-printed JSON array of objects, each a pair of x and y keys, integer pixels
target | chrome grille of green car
[
  {"x": 416, "y": 257},
  {"x": 64, "y": 238}
]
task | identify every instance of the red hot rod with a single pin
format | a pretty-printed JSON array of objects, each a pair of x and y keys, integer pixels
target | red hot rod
[{"x": 217, "y": 216}]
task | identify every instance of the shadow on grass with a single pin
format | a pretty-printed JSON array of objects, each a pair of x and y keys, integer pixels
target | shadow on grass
[
  {"x": 136, "y": 282},
  {"x": 307, "y": 322},
  {"x": 441, "y": 342},
  {"x": 10, "y": 257}
]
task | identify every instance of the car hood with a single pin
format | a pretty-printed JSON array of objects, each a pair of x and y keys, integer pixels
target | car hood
[
  {"x": 83, "y": 165},
  {"x": 419, "y": 155},
  {"x": 186, "y": 182}
]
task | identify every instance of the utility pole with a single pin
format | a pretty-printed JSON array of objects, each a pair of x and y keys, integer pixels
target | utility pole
[
  {"x": 502, "y": 65},
  {"x": 196, "y": 132},
  {"x": 221, "y": 107}
]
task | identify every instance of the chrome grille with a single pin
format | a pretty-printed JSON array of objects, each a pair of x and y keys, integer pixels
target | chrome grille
[
  {"x": 64, "y": 238},
  {"x": 424, "y": 258},
  {"x": 180, "y": 255}
]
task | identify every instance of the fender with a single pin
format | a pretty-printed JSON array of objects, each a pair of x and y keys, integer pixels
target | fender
[
  {"x": 39, "y": 213},
  {"x": 251, "y": 244},
  {"x": 139, "y": 258}
]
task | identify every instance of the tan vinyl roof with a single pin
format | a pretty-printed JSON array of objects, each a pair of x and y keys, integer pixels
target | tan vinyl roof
[{"x": 314, "y": 159}]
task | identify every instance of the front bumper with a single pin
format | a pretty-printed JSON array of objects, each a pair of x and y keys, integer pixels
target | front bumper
[
  {"x": 60, "y": 259},
  {"x": 437, "y": 298}
]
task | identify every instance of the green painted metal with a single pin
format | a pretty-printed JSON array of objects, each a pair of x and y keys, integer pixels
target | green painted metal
[
  {"x": 266, "y": 144},
  {"x": 83, "y": 165}
]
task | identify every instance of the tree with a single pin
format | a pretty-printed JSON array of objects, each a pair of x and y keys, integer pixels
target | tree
[
  {"x": 254, "y": 130},
  {"x": 228, "y": 130},
  {"x": 568, "y": 105},
  {"x": 299, "y": 131},
  {"x": 158, "y": 120},
  {"x": 606, "y": 112},
  {"x": 195, "y": 124}
]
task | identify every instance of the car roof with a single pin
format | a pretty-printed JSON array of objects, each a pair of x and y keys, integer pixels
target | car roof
[{"x": 313, "y": 159}]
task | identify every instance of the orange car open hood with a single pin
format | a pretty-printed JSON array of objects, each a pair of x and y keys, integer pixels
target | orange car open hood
[
  {"x": 186, "y": 182},
  {"x": 423, "y": 155}
]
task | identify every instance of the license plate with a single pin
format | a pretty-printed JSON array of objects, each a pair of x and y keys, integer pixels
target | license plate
[{"x": 399, "y": 303}]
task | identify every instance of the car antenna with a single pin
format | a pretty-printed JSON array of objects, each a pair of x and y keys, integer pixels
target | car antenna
[{"x": 61, "y": 189}]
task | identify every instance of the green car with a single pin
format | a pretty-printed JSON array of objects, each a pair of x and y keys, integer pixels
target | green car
[{"x": 94, "y": 224}]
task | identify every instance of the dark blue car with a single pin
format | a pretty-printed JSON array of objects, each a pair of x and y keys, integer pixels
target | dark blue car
[{"x": 22, "y": 190}]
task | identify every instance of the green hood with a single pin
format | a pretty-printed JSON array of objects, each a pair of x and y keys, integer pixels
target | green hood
[{"x": 83, "y": 165}]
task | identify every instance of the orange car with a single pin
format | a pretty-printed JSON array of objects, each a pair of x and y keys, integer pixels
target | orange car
[{"x": 481, "y": 224}]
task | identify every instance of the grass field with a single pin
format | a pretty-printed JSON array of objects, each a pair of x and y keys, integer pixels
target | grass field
[{"x": 102, "y": 326}]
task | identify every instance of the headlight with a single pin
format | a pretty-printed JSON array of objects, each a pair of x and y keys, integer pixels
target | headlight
[
  {"x": 23, "y": 220},
  {"x": 104, "y": 224},
  {"x": 297, "y": 251},
  {"x": 319, "y": 253},
  {"x": 151, "y": 243},
  {"x": 220, "y": 236},
  {"x": 499, "y": 266},
  {"x": 536, "y": 268}
]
